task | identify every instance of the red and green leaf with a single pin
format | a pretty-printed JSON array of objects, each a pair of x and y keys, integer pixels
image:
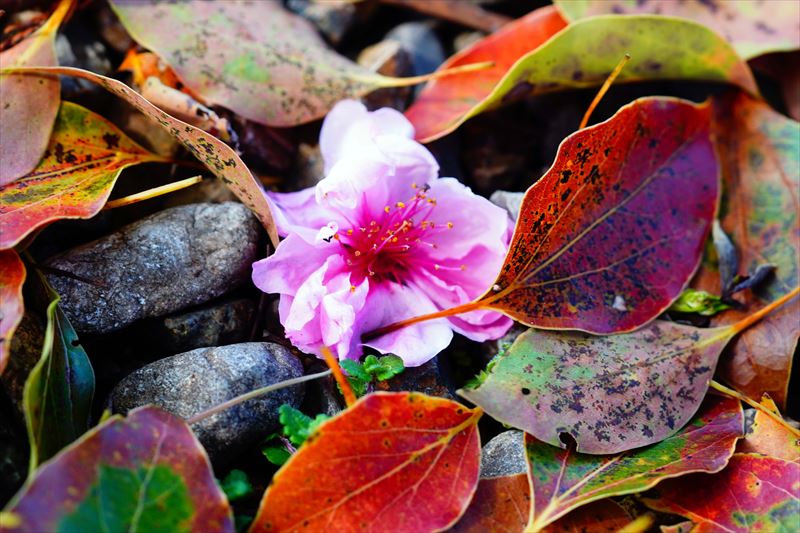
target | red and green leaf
[
  {"x": 582, "y": 55},
  {"x": 29, "y": 104},
  {"x": 603, "y": 244},
  {"x": 217, "y": 156},
  {"x": 750, "y": 28},
  {"x": 753, "y": 494},
  {"x": 146, "y": 472},
  {"x": 84, "y": 157},
  {"x": 440, "y": 106},
  {"x": 761, "y": 213},
  {"x": 564, "y": 480},
  {"x": 12, "y": 278},
  {"x": 391, "y": 462}
]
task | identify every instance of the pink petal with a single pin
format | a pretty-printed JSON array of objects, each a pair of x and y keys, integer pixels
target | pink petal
[
  {"x": 298, "y": 212},
  {"x": 294, "y": 262},
  {"x": 389, "y": 302}
]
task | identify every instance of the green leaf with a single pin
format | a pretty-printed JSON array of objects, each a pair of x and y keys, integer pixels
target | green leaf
[
  {"x": 143, "y": 473},
  {"x": 356, "y": 376},
  {"x": 58, "y": 393},
  {"x": 276, "y": 453},
  {"x": 298, "y": 426},
  {"x": 236, "y": 485},
  {"x": 383, "y": 368},
  {"x": 701, "y": 302}
]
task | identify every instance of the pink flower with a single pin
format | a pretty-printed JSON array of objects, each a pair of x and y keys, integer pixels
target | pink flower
[{"x": 381, "y": 238}]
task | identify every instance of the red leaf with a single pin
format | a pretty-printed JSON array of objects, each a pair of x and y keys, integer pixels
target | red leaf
[
  {"x": 500, "y": 504},
  {"x": 769, "y": 437},
  {"x": 603, "y": 243},
  {"x": 753, "y": 494},
  {"x": 12, "y": 277},
  {"x": 391, "y": 462},
  {"x": 146, "y": 472}
]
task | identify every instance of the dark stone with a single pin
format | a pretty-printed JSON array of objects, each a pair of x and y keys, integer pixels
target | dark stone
[
  {"x": 333, "y": 20},
  {"x": 224, "y": 323},
  {"x": 492, "y": 348},
  {"x": 179, "y": 257},
  {"x": 504, "y": 455},
  {"x": 421, "y": 43},
  {"x": 26, "y": 350},
  {"x": 189, "y": 383},
  {"x": 428, "y": 378}
]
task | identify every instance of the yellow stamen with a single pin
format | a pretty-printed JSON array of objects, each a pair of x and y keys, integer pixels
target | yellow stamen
[{"x": 450, "y": 225}]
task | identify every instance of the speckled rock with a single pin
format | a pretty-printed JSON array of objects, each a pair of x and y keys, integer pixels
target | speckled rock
[
  {"x": 26, "y": 350},
  {"x": 429, "y": 378},
  {"x": 504, "y": 455},
  {"x": 213, "y": 325},
  {"x": 189, "y": 383},
  {"x": 510, "y": 201},
  {"x": 176, "y": 258}
]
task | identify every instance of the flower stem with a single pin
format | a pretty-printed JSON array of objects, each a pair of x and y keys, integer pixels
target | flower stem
[
  {"x": 752, "y": 403},
  {"x": 253, "y": 394},
  {"x": 333, "y": 365},
  {"x": 603, "y": 90},
  {"x": 394, "y": 326},
  {"x": 764, "y": 311}
]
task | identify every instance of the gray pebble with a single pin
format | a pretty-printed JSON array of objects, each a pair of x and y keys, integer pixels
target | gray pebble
[
  {"x": 510, "y": 201},
  {"x": 504, "y": 455},
  {"x": 189, "y": 383},
  {"x": 176, "y": 258}
]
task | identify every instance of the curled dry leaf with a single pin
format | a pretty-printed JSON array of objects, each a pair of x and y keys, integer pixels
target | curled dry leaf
[
  {"x": 761, "y": 214},
  {"x": 12, "y": 277},
  {"x": 217, "y": 156},
  {"x": 603, "y": 244},
  {"x": 754, "y": 494},
  {"x": 753, "y": 27},
  {"x": 390, "y": 462},
  {"x": 255, "y": 58},
  {"x": 29, "y": 104},
  {"x": 58, "y": 393},
  {"x": 766, "y": 436},
  {"x": 579, "y": 56},
  {"x": 564, "y": 480},
  {"x": 609, "y": 394},
  {"x": 84, "y": 157},
  {"x": 146, "y": 472},
  {"x": 500, "y": 504}
]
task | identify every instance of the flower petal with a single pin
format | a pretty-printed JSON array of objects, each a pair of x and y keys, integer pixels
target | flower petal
[
  {"x": 298, "y": 212},
  {"x": 416, "y": 344},
  {"x": 294, "y": 262}
]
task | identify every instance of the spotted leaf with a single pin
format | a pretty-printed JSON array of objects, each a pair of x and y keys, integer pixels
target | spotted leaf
[
  {"x": 754, "y": 494},
  {"x": 146, "y": 472},
  {"x": 753, "y": 27},
  {"x": 84, "y": 157},
  {"x": 564, "y": 480},
  {"x": 767, "y": 436},
  {"x": 391, "y": 462},
  {"x": 603, "y": 244},
  {"x": 217, "y": 156}
]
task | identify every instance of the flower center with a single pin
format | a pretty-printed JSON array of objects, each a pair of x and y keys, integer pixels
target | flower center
[{"x": 392, "y": 244}]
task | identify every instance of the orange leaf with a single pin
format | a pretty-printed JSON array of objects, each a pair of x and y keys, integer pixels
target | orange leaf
[
  {"x": 12, "y": 277},
  {"x": 391, "y": 462}
]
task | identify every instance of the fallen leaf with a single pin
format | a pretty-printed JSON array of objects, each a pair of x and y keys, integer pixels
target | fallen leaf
[
  {"x": 582, "y": 55},
  {"x": 500, "y": 504},
  {"x": 609, "y": 394},
  {"x": 29, "y": 104},
  {"x": 442, "y": 101},
  {"x": 255, "y": 58},
  {"x": 603, "y": 244},
  {"x": 59, "y": 390},
  {"x": 84, "y": 157},
  {"x": 761, "y": 214},
  {"x": 766, "y": 436},
  {"x": 604, "y": 516},
  {"x": 146, "y": 472},
  {"x": 12, "y": 277},
  {"x": 217, "y": 156},
  {"x": 753, "y": 27},
  {"x": 564, "y": 480},
  {"x": 391, "y": 462},
  {"x": 753, "y": 494}
]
